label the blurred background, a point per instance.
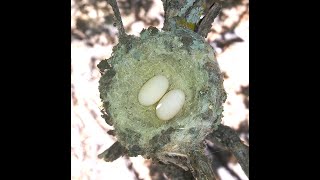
(93, 36)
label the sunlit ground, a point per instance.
(89, 130)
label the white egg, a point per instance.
(152, 91)
(170, 104)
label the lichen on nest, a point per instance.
(189, 63)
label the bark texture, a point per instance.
(228, 138)
(205, 23)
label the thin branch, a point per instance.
(205, 25)
(118, 19)
(229, 138)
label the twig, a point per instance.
(205, 25)
(118, 19)
(227, 137)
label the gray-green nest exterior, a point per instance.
(189, 64)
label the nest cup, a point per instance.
(189, 64)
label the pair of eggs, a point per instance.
(154, 90)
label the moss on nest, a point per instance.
(189, 64)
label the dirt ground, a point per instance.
(93, 36)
